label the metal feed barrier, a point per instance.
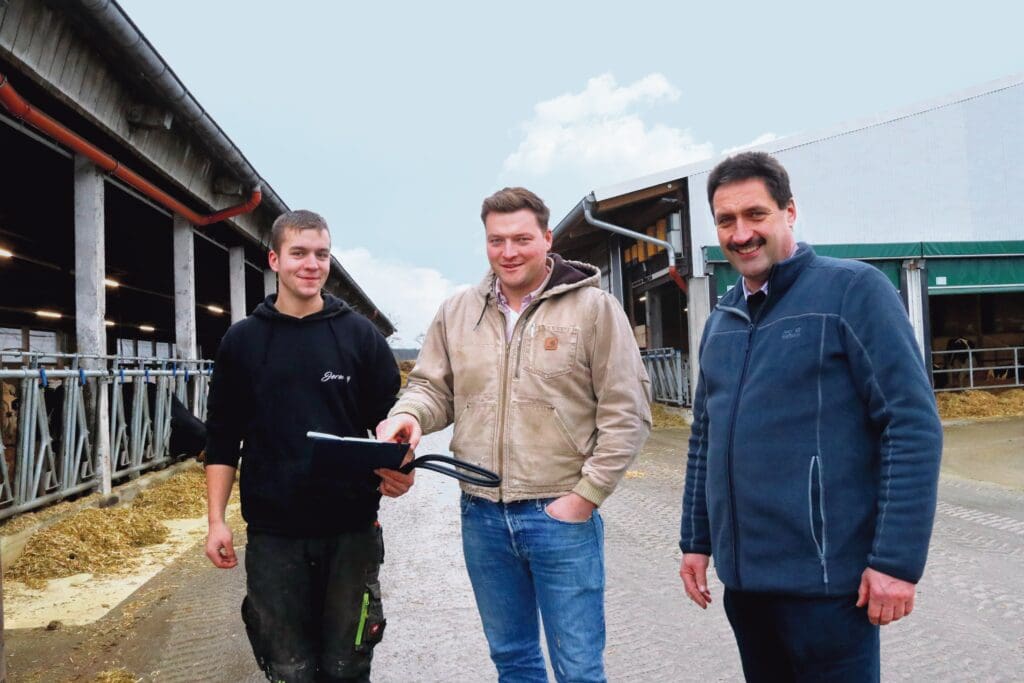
(992, 368)
(669, 371)
(56, 453)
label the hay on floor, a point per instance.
(105, 541)
(975, 404)
(91, 541)
(664, 417)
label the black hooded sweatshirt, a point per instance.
(277, 377)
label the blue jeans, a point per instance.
(521, 560)
(785, 638)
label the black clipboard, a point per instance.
(349, 456)
(335, 456)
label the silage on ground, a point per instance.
(978, 404)
(106, 541)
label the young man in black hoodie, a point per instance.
(302, 361)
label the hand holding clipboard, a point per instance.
(357, 457)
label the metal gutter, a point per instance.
(23, 111)
(670, 249)
(570, 219)
(125, 37)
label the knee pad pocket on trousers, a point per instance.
(274, 671)
(371, 616)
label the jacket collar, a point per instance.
(780, 279)
(564, 275)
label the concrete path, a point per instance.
(184, 625)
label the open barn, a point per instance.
(927, 194)
(133, 233)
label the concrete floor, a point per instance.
(968, 625)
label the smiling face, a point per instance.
(517, 247)
(302, 266)
(754, 232)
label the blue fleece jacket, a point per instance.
(816, 442)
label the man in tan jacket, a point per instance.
(539, 371)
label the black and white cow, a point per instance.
(957, 362)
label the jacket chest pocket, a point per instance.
(551, 349)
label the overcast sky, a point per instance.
(394, 120)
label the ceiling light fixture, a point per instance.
(147, 328)
(4, 253)
(113, 284)
(215, 309)
(49, 314)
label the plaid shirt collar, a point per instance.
(499, 296)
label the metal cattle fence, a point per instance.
(65, 427)
(669, 370)
(970, 368)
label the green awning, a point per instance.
(726, 276)
(1006, 248)
(952, 267)
(903, 250)
(860, 252)
(980, 275)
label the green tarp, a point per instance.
(951, 267)
(975, 275)
(726, 277)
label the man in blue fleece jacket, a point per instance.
(814, 455)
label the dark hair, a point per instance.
(512, 199)
(747, 165)
(300, 219)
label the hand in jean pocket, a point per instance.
(572, 508)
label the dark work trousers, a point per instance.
(312, 609)
(787, 638)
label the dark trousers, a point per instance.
(785, 638)
(312, 608)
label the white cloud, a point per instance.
(408, 295)
(600, 133)
(759, 140)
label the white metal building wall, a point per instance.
(952, 172)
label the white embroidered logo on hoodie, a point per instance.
(328, 376)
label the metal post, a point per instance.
(655, 328)
(698, 310)
(236, 282)
(615, 279)
(184, 289)
(269, 282)
(91, 302)
(914, 297)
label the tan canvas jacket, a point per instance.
(564, 406)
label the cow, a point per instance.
(957, 362)
(188, 433)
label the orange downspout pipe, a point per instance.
(23, 111)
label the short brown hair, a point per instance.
(512, 199)
(300, 219)
(747, 165)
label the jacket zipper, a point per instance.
(519, 349)
(504, 396)
(729, 454)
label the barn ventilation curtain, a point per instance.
(952, 267)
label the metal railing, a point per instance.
(669, 370)
(56, 452)
(989, 368)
